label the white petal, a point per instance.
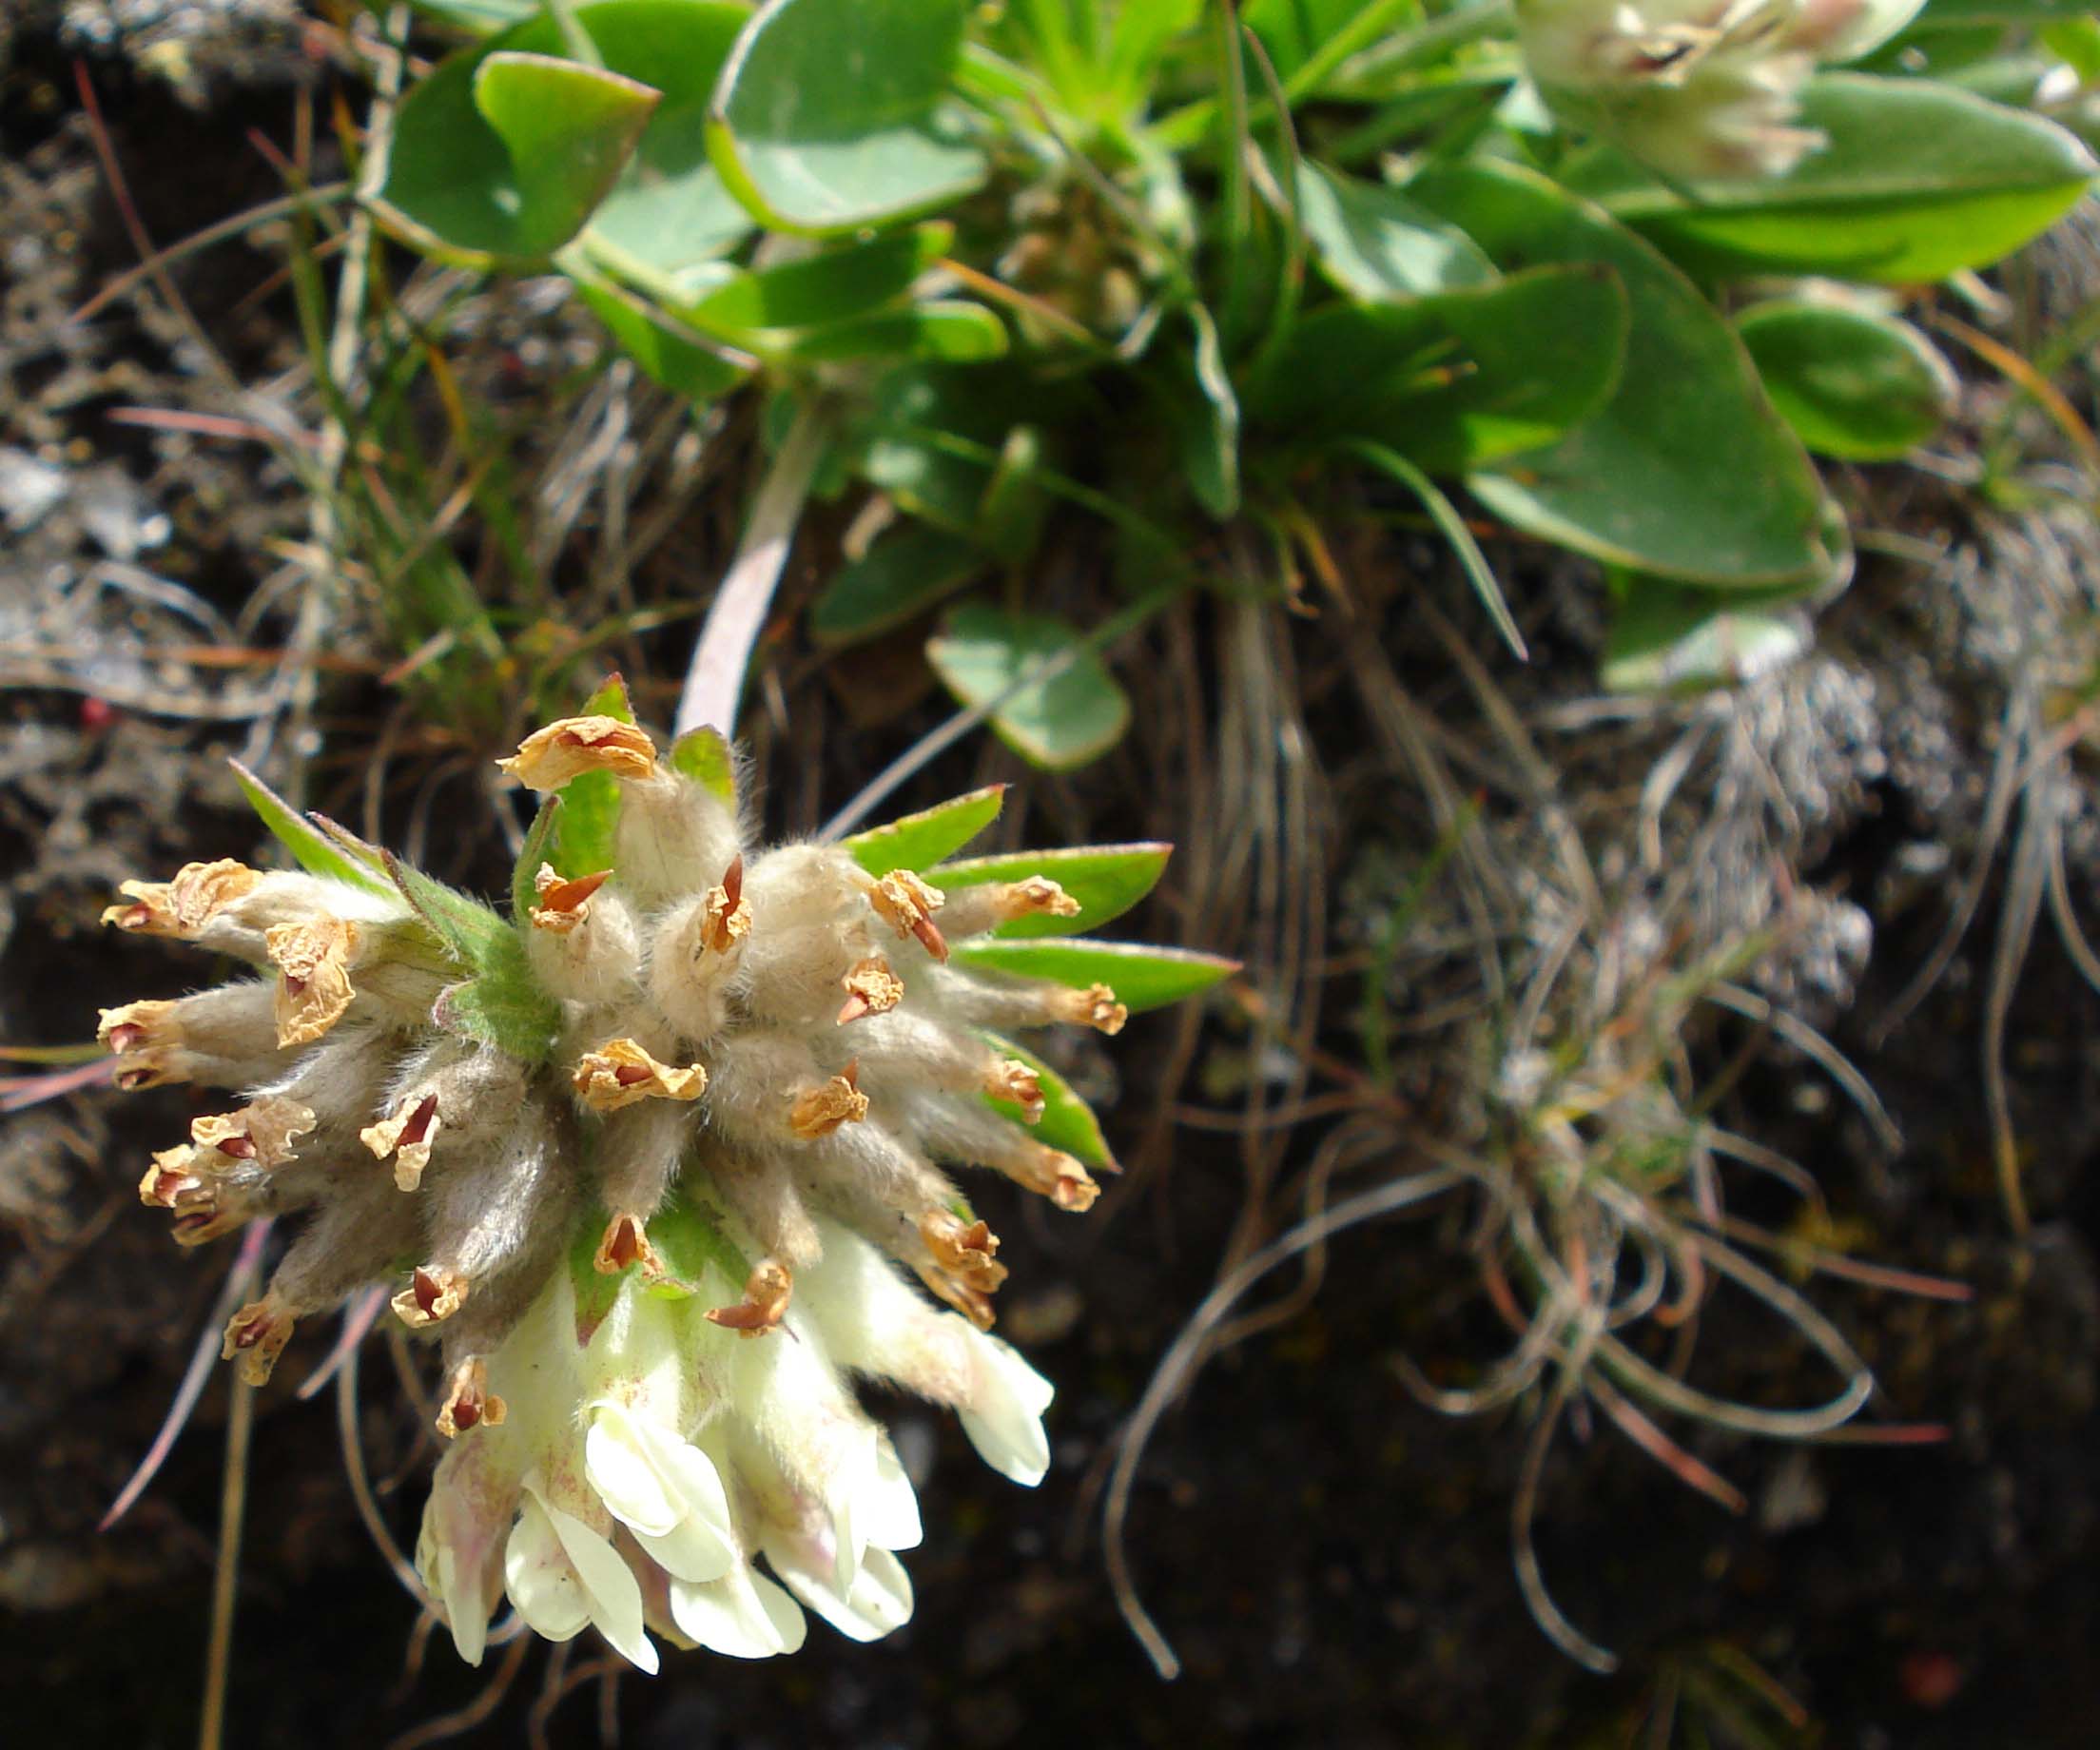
(889, 1511)
(613, 1593)
(538, 1575)
(452, 1561)
(743, 1615)
(879, 1602)
(691, 1550)
(691, 1474)
(619, 1469)
(1003, 1415)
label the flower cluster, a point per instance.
(1698, 89)
(644, 1158)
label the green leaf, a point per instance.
(1142, 976)
(1666, 638)
(454, 187)
(826, 119)
(670, 217)
(682, 363)
(919, 841)
(569, 130)
(1374, 243)
(1853, 386)
(469, 931)
(830, 287)
(591, 800)
(1918, 181)
(1686, 469)
(942, 330)
(1293, 31)
(1068, 1122)
(1208, 415)
(704, 756)
(899, 454)
(990, 653)
(311, 848)
(1455, 380)
(900, 576)
(531, 855)
(1106, 880)
(504, 154)
(1452, 527)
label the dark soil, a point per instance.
(1330, 1560)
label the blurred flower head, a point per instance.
(1698, 89)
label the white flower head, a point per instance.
(1698, 89)
(653, 1161)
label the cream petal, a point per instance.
(692, 1472)
(1003, 1413)
(743, 1615)
(879, 1602)
(890, 1504)
(690, 1551)
(538, 1575)
(620, 1469)
(613, 1595)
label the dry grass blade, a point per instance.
(1179, 1366)
(239, 1286)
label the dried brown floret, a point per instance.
(433, 1294)
(621, 1073)
(468, 1403)
(257, 1335)
(409, 1135)
(1010, 1079)
(819, 1111)
(767, 1292)
(313, 987)
(563, 905)
(261, 1132)
(871, 988)
(907, 904)
(548, 758)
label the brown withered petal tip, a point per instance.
(548, 758)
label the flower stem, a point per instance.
(723, 657)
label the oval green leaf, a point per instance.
(1456, 380)
(1853, 386)
(1667, 638)
(1106, 880)
(1686, 469)
(504, 154)
(664, 218)
(1918, 181)
(824, 288)
(1142, 976)
(1374, 243)
(826, 121)
(1052, 698)
(903, 574)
